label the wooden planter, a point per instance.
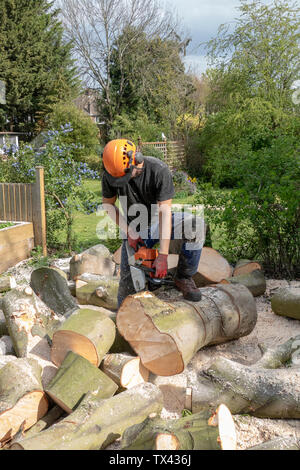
(16, 243)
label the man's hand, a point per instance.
(134, 240)
(161, 266)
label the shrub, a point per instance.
(151, 151)
(184, 185)
(261, 216)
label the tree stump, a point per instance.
(166, 336)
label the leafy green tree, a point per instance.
(84, 132)
(35, 63)
(259, 56)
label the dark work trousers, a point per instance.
(187, 240)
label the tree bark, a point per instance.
(76, 377)
(202, 431)
(262, 390)
(166, 336)
(50, 418)
(89, 333)
(95, 260)
(27, 316)
(3, 326)
(99, 293)
(96, 423)
(286, 302)
(213, 267)
(255, 281)
(125, 370)
(22, 399)
(52, 288)
(7, 283)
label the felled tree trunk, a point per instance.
(96, 423)
(52, 288)
(282, 443)
(166, 336)
(213, 267)
(89, 333)
(202, 431)
(22, 399)
(95, 260)
(27, 316)
(50, 418)
(255, 281)
(286, 302)
(258, 390)
(246, 266)
(125, 370)
(102, 293)
(76, 377)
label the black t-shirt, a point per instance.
(153, 185)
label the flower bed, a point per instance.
(16, 243)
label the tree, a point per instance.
(35, 63)
(258, 57)
(107, 35)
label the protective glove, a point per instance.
(134, 240)
(161, 266)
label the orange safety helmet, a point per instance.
(116, 159)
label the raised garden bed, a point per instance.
(16, 243)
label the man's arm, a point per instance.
(165, 225)
(109, 205)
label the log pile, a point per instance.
(76, 375)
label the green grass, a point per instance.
(6, 224)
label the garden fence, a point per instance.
(173, 151)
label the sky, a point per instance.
(201, 19)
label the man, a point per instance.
(143, 184)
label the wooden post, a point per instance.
(39, 210)
(140, 144)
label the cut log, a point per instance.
(95, 260)
(88, 333)
(6, 360)
(52, 288)
(125, 370)
(286, 302)
(166, 336)
(96, 423)
(6, 346)
(3, 326)
(117, 256)
(7, 283)
(26, 317)
(255, 281)
(202, 431)
(102, 293)
(212, 268)
(22, 400)
(246, 266)
(258, 390)
(76, 377)
(281, 443)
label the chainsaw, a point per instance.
(141, 263)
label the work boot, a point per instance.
(188, 288)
